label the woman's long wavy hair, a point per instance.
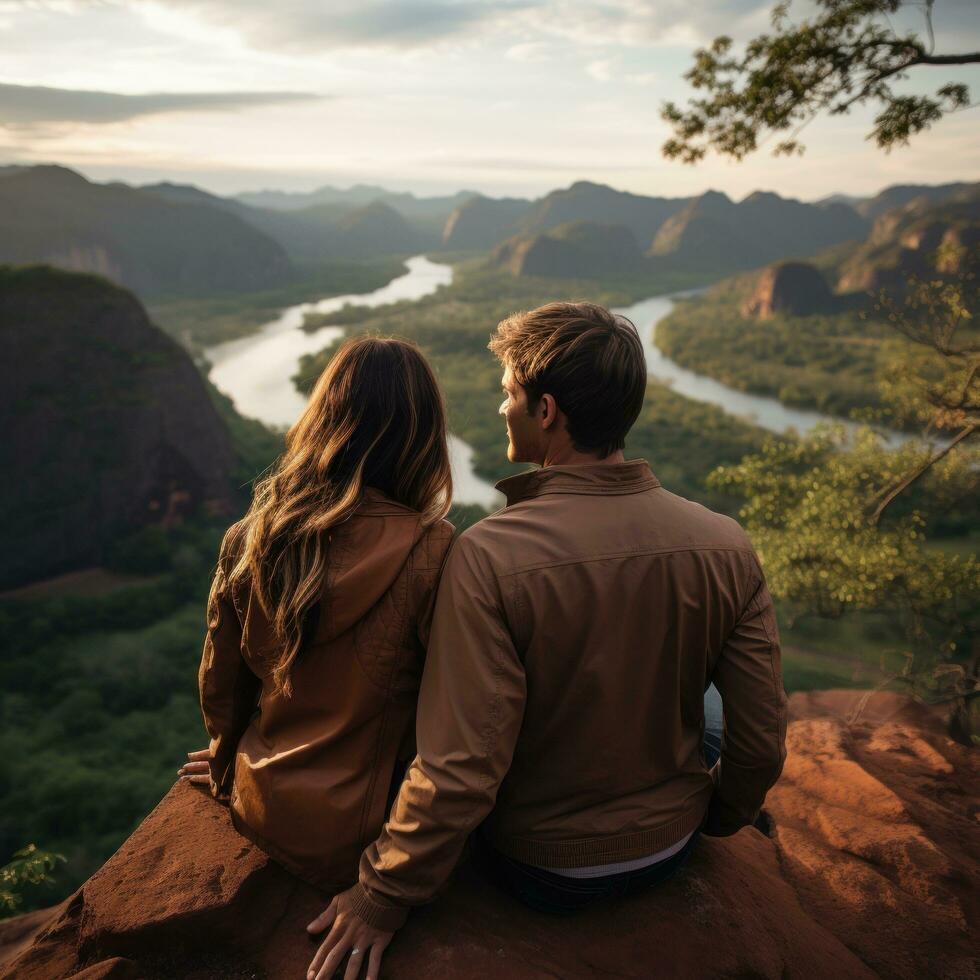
(375, 419)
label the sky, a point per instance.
(506, 97)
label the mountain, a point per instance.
(793, 288)
(331, 229)
(577, 249)
(334, 231)
(428, 215)
(189, 194)
(353, 197)
(585, 201)
(849, 199)
(709, 233)
(374, 230)
(901, 194)
(483, 222)
(137, 239)
(903, 242)
(872, 820)
(762, 228)
(108, 424)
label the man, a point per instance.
(574, 636)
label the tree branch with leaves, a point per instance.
(29, 867)
(847, 55)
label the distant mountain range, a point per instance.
(903, 241)
(173, 239)
(709, 233)
(135, 238)
(928, 235)
(758, 229)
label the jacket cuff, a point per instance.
(387, 918)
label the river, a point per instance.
(769, 413)
(256, 371)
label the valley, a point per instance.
(104, 633)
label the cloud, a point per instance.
(600, 70)
(640, 22)
(32, 105)
(320, 25)
(312, 24)
(315, 24)
(530, 52)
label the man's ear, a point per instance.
(549, 411)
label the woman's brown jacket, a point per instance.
(308, 776)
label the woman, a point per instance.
(318, 615)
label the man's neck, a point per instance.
(570, 456)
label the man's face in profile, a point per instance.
(523, 434)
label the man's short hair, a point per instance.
(588, 359)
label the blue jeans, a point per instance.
(561, 895)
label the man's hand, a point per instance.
(197, 769)
(348, 933)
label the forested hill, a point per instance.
(137, 239)
(327, 230)
(108, 425)
(904, 240)
(807, 333)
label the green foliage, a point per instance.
(93, 725)
(847, 54)
(809, 507)
(29, 867)
(933, 379)
(143, 552)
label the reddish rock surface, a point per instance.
(871, 872)
(876, 823)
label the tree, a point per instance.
(846, 523)
(848, 54)
(28, 867)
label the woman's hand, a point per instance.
(197, 769)
(350, 933)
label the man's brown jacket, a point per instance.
(574, 635)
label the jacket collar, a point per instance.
(377, 503)
(589, 478)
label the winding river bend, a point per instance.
(769, 413)
(256, 371)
